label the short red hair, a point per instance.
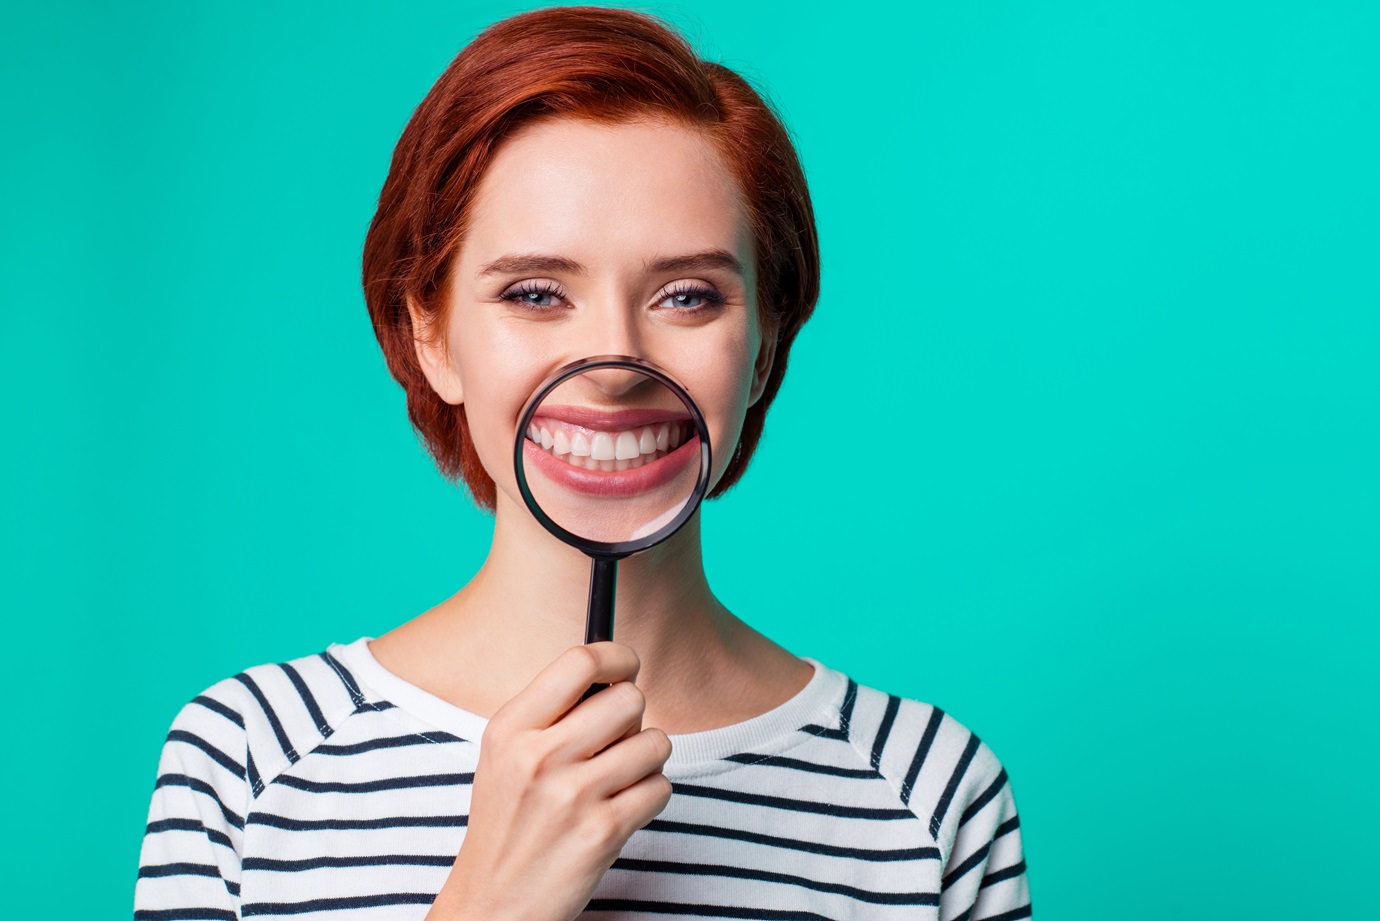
(593, 63)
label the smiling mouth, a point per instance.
(608, 449)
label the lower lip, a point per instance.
(612, 482)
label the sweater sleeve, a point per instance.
(984, 875)
(189, 864)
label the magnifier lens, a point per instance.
(611, 455)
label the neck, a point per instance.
(528, 603)
(535, 589)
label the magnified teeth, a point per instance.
(609, 450)
(626, 448)
(601, 447)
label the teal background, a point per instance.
(1081, 445)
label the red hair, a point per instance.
(610, 65)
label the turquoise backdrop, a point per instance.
(1081, 445)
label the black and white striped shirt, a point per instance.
(329, 788)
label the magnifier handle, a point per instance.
(603, 577)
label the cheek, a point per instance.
(721, 383)
(497, 377)
(491, 432)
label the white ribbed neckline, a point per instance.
(817, 702)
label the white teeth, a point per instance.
(626, 448)
(601, 447)
(609, 451)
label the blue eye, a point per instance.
(708, 297)
(533, 295)
(686, 299)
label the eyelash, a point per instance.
(711, 297)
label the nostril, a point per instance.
(615, 382)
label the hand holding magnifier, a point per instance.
(612, 457)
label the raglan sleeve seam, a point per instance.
(983, 872)
(190, 858)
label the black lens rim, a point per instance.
(612, 549)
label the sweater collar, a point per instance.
(816, 703)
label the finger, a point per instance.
(641, 802)
(558, 686)
(627, 762)
(595, 724)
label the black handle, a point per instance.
(603, 578)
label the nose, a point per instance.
(611, 326)
(615, 383)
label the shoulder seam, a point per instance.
(890, 782)
(362, 701)
(283, 763)
(328, 724)
(358, 703)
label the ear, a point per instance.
(761, 369)
(434, 358)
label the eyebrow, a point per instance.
(537, 262)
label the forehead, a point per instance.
(606, 195)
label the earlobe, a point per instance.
(434, 359)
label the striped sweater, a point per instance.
(329, 788)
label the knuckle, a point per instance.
(621, 657)
(523, 769)
(542, 759)
(531, 761)
(658, 793)
(500, 744)
(564, 798)
(585, 662)
(496, 732)
(631, 695)
(607, 828)
(660, 742)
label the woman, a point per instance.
(579, 183)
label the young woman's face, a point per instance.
(595, 239)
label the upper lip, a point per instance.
(591, 418)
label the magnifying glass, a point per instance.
(612, 457)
